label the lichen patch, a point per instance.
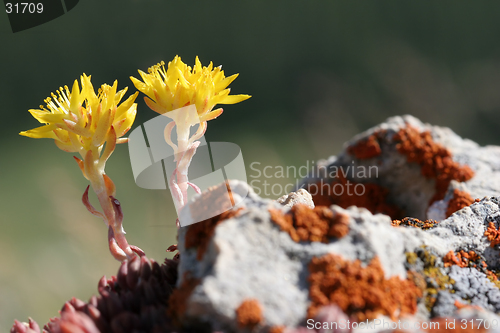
(311, 224)
(461, 259)
(361, 292)
(413, 222)
(199, 234)
(340, 192)
(249, 314)
(460, 199)
(178, 301)
(434, 159)
(367, 148)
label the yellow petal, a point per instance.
(75, 98)
(182, 79)
(126, 104)
(88, 90)
(61, 135)
(226, 82)
(102, 128)
(142, 87)
(233, 99)
(197, 65)
(125, 126)
(47, 117)
(41, 132)
(119, 95)
(67, 147)
(110, 146)
(211, 115)
(108, 95)
(155, 106)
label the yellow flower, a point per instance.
(179, 86)
(85, 122)
(80, 120)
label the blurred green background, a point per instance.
(319, 72)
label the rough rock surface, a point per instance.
(407, 187)
(249, 256)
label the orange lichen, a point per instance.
(435, 160)
(341, 192)
(492, 275)
(361, 292)
(461, 199)
(492, 234)
(461, 259)
(470, 259)
(178, 301)
(367, 148)
(311, 224)
(215, 199)
(461, 305)
(199, 234)
(413, 222)
(249, 314)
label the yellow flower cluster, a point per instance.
(180, 85)
(80, 120)
(92, 124)
(85, 122)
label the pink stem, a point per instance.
(176, 190)
(115, 250)
(195, 188)
(183, 166)
(119, 234)
(90, 208)
(199, 132)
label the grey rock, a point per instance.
(249, 257)
(408, 188)
(464, 230)
(445, 304)
(471, 284)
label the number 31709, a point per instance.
(24, 8)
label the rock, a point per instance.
(301, 196)
(249, 257)
(276, 256)
(407, 188)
